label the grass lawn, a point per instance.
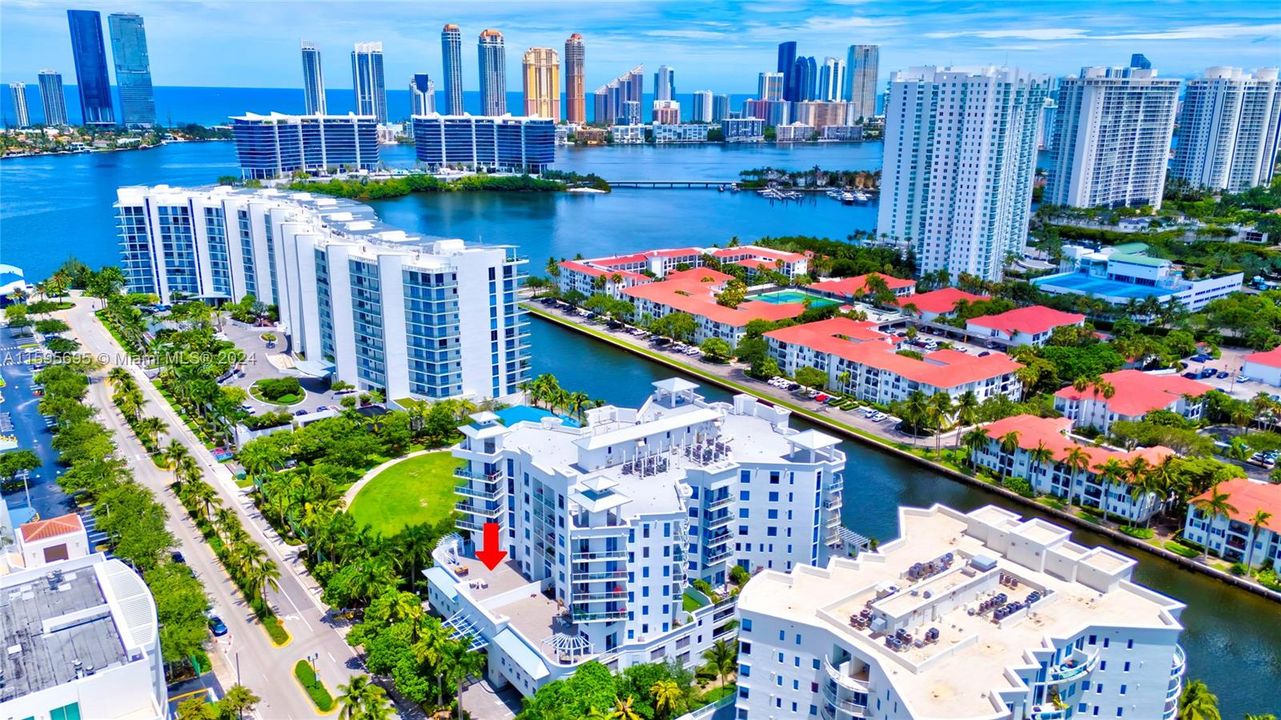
(417, 490)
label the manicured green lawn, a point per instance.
(418, 490)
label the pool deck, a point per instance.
(1082, 284)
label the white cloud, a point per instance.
(1224, 31)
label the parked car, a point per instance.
(1223, 374)
(178, 558)
(217, 626)
(1191, 375)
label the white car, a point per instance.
(879, 416)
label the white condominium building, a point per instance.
(1112, 138)
(607, 524)
(966, 616)
(960, 155)
(82, 642)
(1228, 129)
(1249, 532)
(375, 306)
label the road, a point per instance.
(246, 651)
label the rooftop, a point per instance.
(694, 291)
(1248, 497)
(1031, 320)
(1034, 432)
(853, 287)
(68, 524)
(959, 673)
(941, 301)
(1271, 358)
(1139, 393)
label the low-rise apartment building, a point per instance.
(1031, 325)
(1236, 537)
(694, 292)
(1041, 451)
(930, 306)
(861, 361)
(855, 288)
(605, 525)
(966, 616)
(1264, 366)
(623, 271)
(668, 133)
(1130, 395)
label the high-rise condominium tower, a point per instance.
(665, 83)
(313, 80)
(90, 55)
(701, 107)
(787, 65)
(52, 98)
(860, 80)
(422, 93)
(493, 73)
(367, 80)
(575, 93)
(451, 53)
(957, 185)
(618, 102)
(1112, 138)
(805, 77)
(720, 108)
(542, 83)
(22, 115)
(133, 69)
(831, 80)
(769, 86)
(1140, 61)
(1228, 129)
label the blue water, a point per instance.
(1082, 283)
(523, 413)
(793, 296)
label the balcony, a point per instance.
(598, 555)
(715, 556)
(719, 521)
(607, 616)
(853, 682)
(493, 513)
(465, 524)
(611, 596)
(466, 490)
(1047, 712)
(598, 576)
(1180, 662)
(719, 502)
(490, 478)
(1076, 666)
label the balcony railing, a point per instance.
(598, 576)
(612, 596)
(467, 490)
(466, 507)
(492, 477)
(716, 556)
(720, 521)
(465, 524)
(596, 555)
(720, 502)
(608, 616)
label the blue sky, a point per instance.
(715, 44)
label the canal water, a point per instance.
(52, 207)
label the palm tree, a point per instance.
(939, 412)
(174, 452)
(967, 412)
(1037, 457)
(1198, 703)
(914, 411)
(623, 709)
(463, 666)
(148, 430)
(1010, 445)
(1260, 517)
(722, 657)
(186, 471)
(1138, 473)
(360, 699)
(1078, 461)
(1216, 505)
(432, 649)
(668, 697)
(973, 441)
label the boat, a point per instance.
(721, 188)
(861, 197)
(847, 198)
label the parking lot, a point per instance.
(269, 362)
(1227, 374)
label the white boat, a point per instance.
(847, 198)
(861, 197)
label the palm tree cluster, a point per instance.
(361, 699)
(129, 400)
(648, 691)
(545, 391)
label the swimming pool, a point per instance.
(519, 413)
(1080, 283)
(778, 297)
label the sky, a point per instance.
(719, 45)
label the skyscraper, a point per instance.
(720, 108)
(831, 80)
(1112, 136)
(493, 73)
(22, 115)
(957, 186)
(769, 86)
(542, 83)
(451, 54)
(367, 80)
(1141, 61)
(313, 80)
(619, 100)
(860, 80)
(665, 83)
(133, 69)
(786, 65)
(701, 107)
(1228, 129)
(422, 93)
(805, 78)
(575, 100)
(90, 55)
(52, 98)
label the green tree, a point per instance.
(237, 701)
(721, 658)
(811, 377)
(716, 349)
(180, 608)
(1198, 703)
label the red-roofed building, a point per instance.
(789, 263)
(1024, 326)
(1264, 366)
(861, 361)
(694, 292)
(1074, 471)
(930, 305)
(46, 541)
(1134, 394)
(580, 277)
(624, 271)
(1233, 537)
(855, 288)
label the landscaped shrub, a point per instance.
(268, 420)
(320, 696)
(279, 390)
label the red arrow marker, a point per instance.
(489, 552)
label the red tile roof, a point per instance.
(1031, 320)
(855, 286)
(756, 264)
(1271, 358)
(53, 527)
(1139, 393)
(694, 291)
(676, 252)
(757, 251)
(856, 342)
(941, 301)
(1035, 431)
(1248, 497)
(620, 260)
(576, 266)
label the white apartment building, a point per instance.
(606, 525)
(611, 275)
(1235, 537)
(678, 132)
(1130, 395)
(1228, 129)
(1112, 138)
(372, 304)
(1263, 366)
(633, 134)
(1078, 472)
(1125, 275)
(83, 642)
(966, 616)
(1032, 325)
(960, 157)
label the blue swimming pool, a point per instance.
(521, 413)
(778, 297)
(1083, 284)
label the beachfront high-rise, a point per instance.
(313, 80)
(1112, 134)
(956, 186)
(422, 94)
(720, 107)
(90, 55)
(493, 72)
(133, 70)
(769, 86)
(701, 106)
(451, 55)
(21, 113)
(367, 303)
(665, 83)
(1228, 129)
(275, 145)
(967, 616)
(542, 83)
(862, 63)
(831, 80)
(787, 66)
(619, 100)
(493, 144)
(367, 80)
(575, 84)
(805, 78)
(614, 519)
(52, 98)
